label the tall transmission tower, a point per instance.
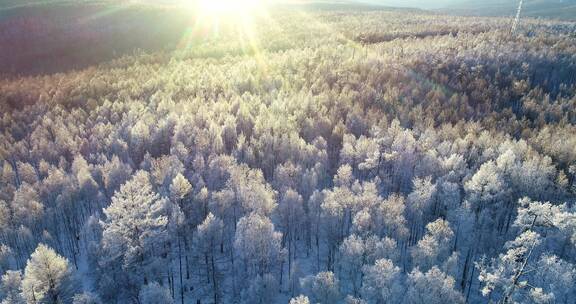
(517, 19)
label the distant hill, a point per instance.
(561, 9)
(4, 4)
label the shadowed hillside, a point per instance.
(40, 39)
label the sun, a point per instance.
(236, 20)
(238, 14)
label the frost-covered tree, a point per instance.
(208, 241)
(390, 218)
(503, 278)
(322, 288)
(362, 223)
(290, 214)
(435, 247)
(243, 191)
(420, 202)
(5, 217)
(486, 187)
(180, 187)
(48, 278)
(262, 290)
(26, 206)
(86, 298)
(257, 244)
(138, 227)
(336, 210)
(433, 286)
(155, 293)
(353, 300)
(557, 222)
(7, 259)
(87, 186)
(449, 198)
(251, 191)
(552, 280)
(300, 300)
(11, 288)
(163, 171)
(352, 255)
(376, 248)
(382, 282)
(139, 138)
(114, 174)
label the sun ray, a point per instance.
(234, 21)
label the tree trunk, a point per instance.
(180, 271)
(214, 282)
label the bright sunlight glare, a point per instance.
(239, 18)
(227, 8)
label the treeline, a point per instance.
(313, 169)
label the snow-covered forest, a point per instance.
(386, 157)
